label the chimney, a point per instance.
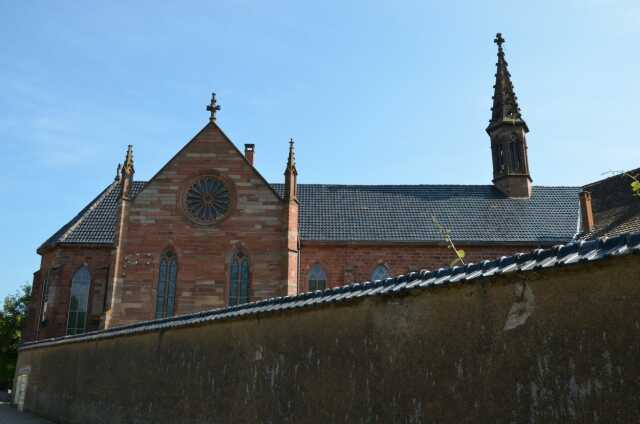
(249, 150)
(587, 222)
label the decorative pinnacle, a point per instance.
(291, 161)
(499, 40)
(213, 107)
(118, 172)
(127, 166)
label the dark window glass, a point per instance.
(380, 273)
(78, 301)
(45, 299)
(166, 291)
(239, 279)
(317, 278)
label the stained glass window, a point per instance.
(207, 200)
(166, 290)
(380, 273)
(78, 301)
(317, 278)
(239, 279)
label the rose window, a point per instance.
(207, 200)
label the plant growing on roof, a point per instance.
(446, 235)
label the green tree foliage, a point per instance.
(635, 187)
(12, 316)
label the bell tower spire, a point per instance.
(507, 130)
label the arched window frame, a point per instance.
(166, 286)
(44, 304)
(317, 278)
(79, 292)
(239, 278)
(376, 274)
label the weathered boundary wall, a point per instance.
(559, 345)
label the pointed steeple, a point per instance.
(505, 102)
(507, 131)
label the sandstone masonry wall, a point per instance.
(349, 263)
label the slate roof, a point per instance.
(478, 214)
(95, 224)
(404, 213)
(615, 209)
(572, 254)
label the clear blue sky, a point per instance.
(373, 91)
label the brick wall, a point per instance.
(59, 265)
(256, 224)
(348, 263)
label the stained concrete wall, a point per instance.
(561, 345)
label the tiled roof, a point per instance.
(95, 224)
(572, 254)
(615, 209)
(405, 213)
(387, 213)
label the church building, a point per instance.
(208, 231)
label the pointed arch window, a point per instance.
(239, 279)
(317, 278)
(79, 300)
(45, 298)
(380, 272)
(166, 291)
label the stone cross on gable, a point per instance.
(213, 107)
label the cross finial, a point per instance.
(499, 40)
(213, 107)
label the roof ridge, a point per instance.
(618, 174)
(419, 185)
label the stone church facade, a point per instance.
(208, 231)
